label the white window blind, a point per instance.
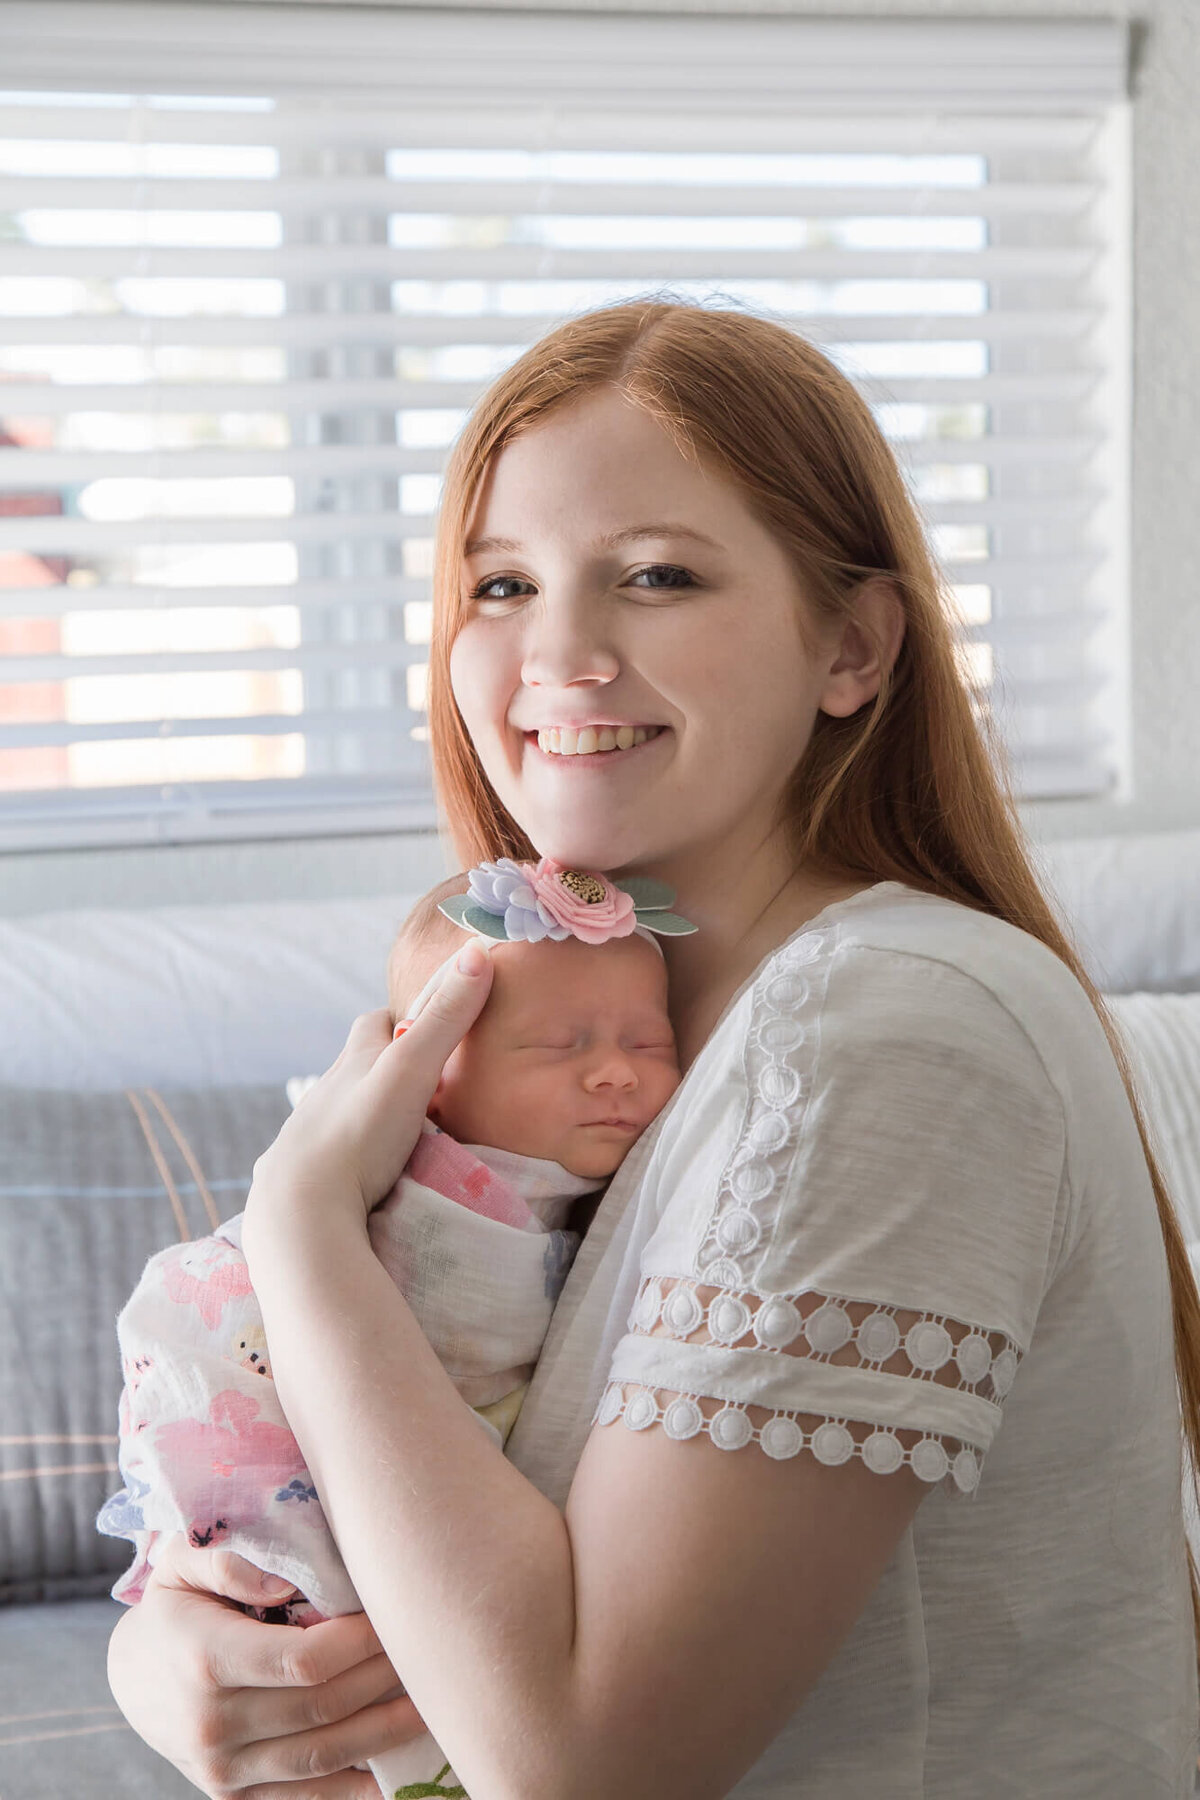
(258, 262)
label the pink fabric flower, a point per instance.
(594, 917)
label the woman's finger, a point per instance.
(243, 1652)
(442, 1022)
(213, 1570)
(370, 1031)
(277, 1712)
(325, 1750)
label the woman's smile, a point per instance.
(592, 746)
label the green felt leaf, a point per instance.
(647, 894)
(421, 1790)
(455, 906)
(667, 924)
(486, 923)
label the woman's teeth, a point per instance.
(564, 740)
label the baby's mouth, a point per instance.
(593, 740)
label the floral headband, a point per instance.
(526, 902)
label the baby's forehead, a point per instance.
(548, 978)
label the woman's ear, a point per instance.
(869, 643)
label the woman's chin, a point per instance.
(592, 848)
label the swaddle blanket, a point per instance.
(475, 1240)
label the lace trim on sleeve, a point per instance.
(865, 1334)
(778, 1060)
(783, 1435)
(923, 1347)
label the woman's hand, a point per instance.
(246, 1709)
(346, 1144)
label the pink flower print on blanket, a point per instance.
(206, 1275)
(227, 1469)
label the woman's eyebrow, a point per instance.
(609, 541)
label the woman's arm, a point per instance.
(649, 1642)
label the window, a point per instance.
(256, 264)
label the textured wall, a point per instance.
(1166, 505)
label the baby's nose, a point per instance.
(611, 1068)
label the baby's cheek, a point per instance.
(668, 1081)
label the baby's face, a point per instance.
(571, 1058)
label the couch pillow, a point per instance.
(1162, 1032)
(91, 1186)
(188, 996)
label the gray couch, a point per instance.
(93, 1184)
(142, 1063)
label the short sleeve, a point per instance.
(855, 1238)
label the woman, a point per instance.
(901, 1199)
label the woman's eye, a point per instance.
(482, 593)
(665, 569)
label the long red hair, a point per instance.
(910, 788)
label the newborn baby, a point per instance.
(571, 1058)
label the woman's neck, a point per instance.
(743, 908)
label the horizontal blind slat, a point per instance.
(536, 262)
(1056, 572)
(30, 469)
(29, 399)
(1039, 628)
(454, 125)
(315, 596)
(360, 721)
(367, 655)
(145, 818)
(345, 329)
(54, 536)
(395, 195)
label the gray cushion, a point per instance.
(60, 1731)
(91, 1185)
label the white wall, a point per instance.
(1166, 508)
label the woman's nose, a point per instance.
(563, 649)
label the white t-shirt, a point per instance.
(898, 1208)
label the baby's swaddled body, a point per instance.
(476, 1241)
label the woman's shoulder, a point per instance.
(950, 961)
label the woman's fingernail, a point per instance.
(275, 1584)
(472, 960)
